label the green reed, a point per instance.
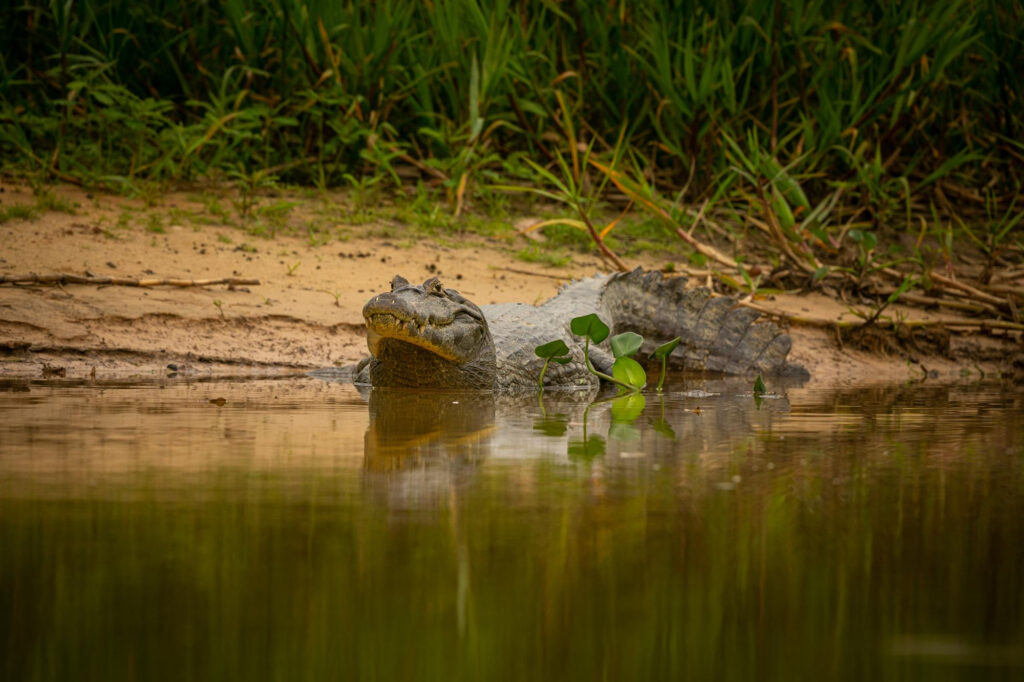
(881, 99)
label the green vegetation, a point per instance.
(592, 328)
(661, 353)
(17, 212)
(861, 143)
(878, 97)
(554, 350)
(627, 373)
(545, 256)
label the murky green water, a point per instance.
(297, 532)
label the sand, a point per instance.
(306, 310)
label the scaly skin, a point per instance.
(429, 336)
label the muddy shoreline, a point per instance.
(306, 311)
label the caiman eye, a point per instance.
(433, 286)
(469, 313)
(398, 282)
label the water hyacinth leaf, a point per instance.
(628, 407)
(629, 372)
(590, 326)
(552, 349)
(665, 349)
(626, 344)
(661, 353)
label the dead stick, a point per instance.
(563, 278)
(796, 319)
(815, 322)
(67, 278)
(984, 324)
(968, 289)
(953, 287)
(907, 297)
(1000, 289)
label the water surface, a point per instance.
(301, 530)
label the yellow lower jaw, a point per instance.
(398, 333)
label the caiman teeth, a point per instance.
(391, 319)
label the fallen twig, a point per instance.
(562, 278)
(67, 278)
(817, 322)
(959, 289)
(908, 297)
(1000, 289)
(967, 289)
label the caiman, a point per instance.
(426, 335)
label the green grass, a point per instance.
(868, 91)
(155, 223)
(794, 122)
(18, 212)
(544, 256)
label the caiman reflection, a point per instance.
(411, 428)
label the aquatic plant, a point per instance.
(553, 350)
(661, 353)
(626, 372)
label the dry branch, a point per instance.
(67, 278)
(818, 322)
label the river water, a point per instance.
(299, 530)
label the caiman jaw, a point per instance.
(385, 324)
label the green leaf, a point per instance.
(665, 349)
(552, 349)
(905, 286)
(870, 241)
(759, 388)
(866, 240)
(626, 344)
(628, 407)
(590, 326)
(784, 213)
(629, 372)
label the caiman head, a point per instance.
(426, 336)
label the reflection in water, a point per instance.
(301, 530)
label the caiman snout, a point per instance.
(429, 316)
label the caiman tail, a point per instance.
(718, 334)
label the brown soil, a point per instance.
(306, 311)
